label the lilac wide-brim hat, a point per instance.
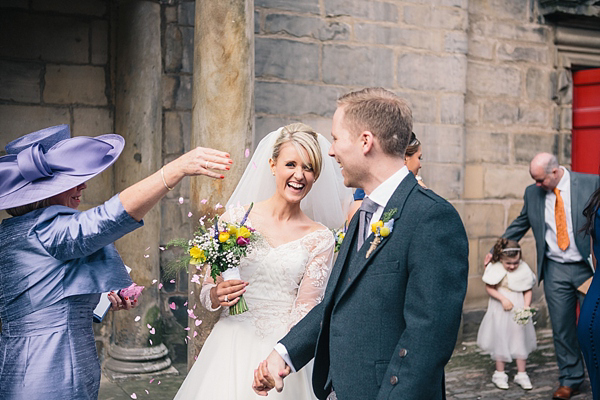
(45, 163)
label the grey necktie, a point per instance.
(366, 210)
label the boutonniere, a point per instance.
(382, 229)
(338, 235)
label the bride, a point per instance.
(285, 275)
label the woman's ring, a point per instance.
(226, 299)
(206, 165)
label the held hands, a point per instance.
(507, 304)
(227, 293)
(118, 303)
(270, 374)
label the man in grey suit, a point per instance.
(562, 252)
(390, 315)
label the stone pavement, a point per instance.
(468, 376)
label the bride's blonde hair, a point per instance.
(302, 137)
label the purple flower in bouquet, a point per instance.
(242, 241)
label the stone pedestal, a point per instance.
(222, 113)
(134, 348)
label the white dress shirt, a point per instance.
(381, 195)
(553, 252)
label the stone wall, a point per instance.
(55, 68)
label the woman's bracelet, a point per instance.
(162, 175)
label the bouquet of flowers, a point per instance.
(222, 246)
(523, 315)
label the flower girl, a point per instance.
(506, 331)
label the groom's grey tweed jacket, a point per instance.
(388, 324)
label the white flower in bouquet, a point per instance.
(523, 315)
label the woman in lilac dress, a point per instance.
(588, 328)
(55, 261)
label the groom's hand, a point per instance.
(270, 374)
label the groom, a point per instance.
(390, 315)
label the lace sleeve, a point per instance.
(207, 284)
(312, 287)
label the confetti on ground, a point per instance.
(181, 200)
(247, 153)
(198, 322)
(154, 281)
(190, 214)
(160, 285)
(173, 306)
(172, 281)
(218, 206)
(204, 201)
(133, 396)
(137, 318)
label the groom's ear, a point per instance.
(367, 140)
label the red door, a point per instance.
(585, 155)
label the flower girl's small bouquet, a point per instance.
(523, 315)
(221, 246)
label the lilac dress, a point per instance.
(54, 263)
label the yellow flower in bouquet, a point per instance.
(233, 230)
(244, 232)
(223, 237)
(198, 256)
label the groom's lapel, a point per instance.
(346, 251)
(397, 201)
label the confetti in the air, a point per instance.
(161, 248)
(133, 396)
(181, 200)
(149, 326)
(195, 333)
(172, 306)
(247, 153)
(218, 206)
(204, 201)
(198, 322)
(146, 255)
(172, 281)
(254, 165)
(151, 380)
(185, 304)
(158, 383)
(191, 314)
(190, 214)
(152, 331)
(186, 329)
(146, 390)
(137, 318)
(150, 340)
(196, 279)
(160, 285)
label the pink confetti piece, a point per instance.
(195, 279)
(172, 281)
(195, 358)
(198, 322)
(195, 306)
(195, 333)
(137, 318)
(150, 340)
(160, 285)
(185, 304)
(254, 165)
(151, 380)
(190, 214)
(149, 326)
(247, 153)
(191, 314)
(173, 306)
(154, 281)
(204, 201)
(152, 331)
(186, 329)
(218, 206)
(147, 248)
(133, 396)
(181, 200)
(158, 383)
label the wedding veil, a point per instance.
(327, 202)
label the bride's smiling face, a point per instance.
(293, 177)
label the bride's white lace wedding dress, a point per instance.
(285, 282)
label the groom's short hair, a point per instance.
(382, 113)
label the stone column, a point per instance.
(134, 349)
(222, 113)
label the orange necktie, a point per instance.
(562, 236)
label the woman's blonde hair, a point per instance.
(302, 137)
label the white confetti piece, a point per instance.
(137, 318)
(161, 248)
(133, 396)
(173, 306)
(192, 292)
(185, 339)
(154, 281)
(146, 255)
(172, 281)
(218, 206)
(188, 338)
(150, 340)
(190, 214)
(158, 383)
(247, 153)
(198, 322)
(204, 201)
(149, 326)
(146, 390)
(181, 200)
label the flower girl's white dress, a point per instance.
(499, 334)
(285, 282)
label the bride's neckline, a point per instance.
(293, 241)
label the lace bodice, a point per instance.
(285, 282)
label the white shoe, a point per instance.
(500, 379)
(522, 380)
